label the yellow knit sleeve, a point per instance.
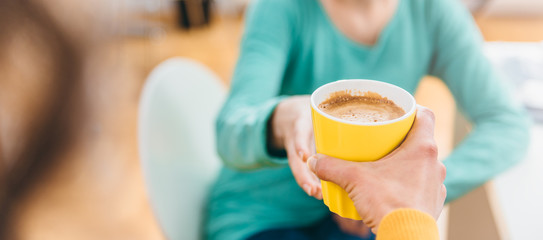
(408, 224)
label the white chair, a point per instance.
(176, 140)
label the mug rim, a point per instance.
(406, 115)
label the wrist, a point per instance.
(275, 135)
(384, 210)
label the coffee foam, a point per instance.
(360, 106)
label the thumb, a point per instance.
(340, 172)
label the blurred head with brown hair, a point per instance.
(40, 69)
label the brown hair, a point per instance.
(48, 131)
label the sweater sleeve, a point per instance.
(499, 135)
(408, 224)
(241, 126)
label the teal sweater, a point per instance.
(290, 47)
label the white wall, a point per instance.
(231, 7)
(521, 8)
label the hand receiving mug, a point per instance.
(292, 131)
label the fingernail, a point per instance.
(307, 189)
(301, 154)
(311, 162)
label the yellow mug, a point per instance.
(357, 141)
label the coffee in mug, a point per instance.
(366, 107)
